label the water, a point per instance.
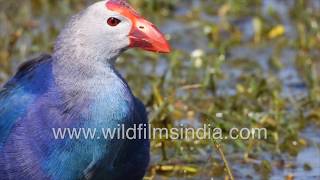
(188, 36)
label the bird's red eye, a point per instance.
(113, 21)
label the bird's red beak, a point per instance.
(146, 36)
(143, 33)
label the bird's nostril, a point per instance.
(141, 27)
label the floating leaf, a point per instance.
(277, 31)
(257, 26)
(176, 168)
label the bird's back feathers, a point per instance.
(19, 92)
(32, 103)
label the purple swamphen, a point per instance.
(77, 86)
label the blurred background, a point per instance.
(236, 63)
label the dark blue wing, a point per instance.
(19, 93)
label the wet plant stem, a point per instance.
(226, 164)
